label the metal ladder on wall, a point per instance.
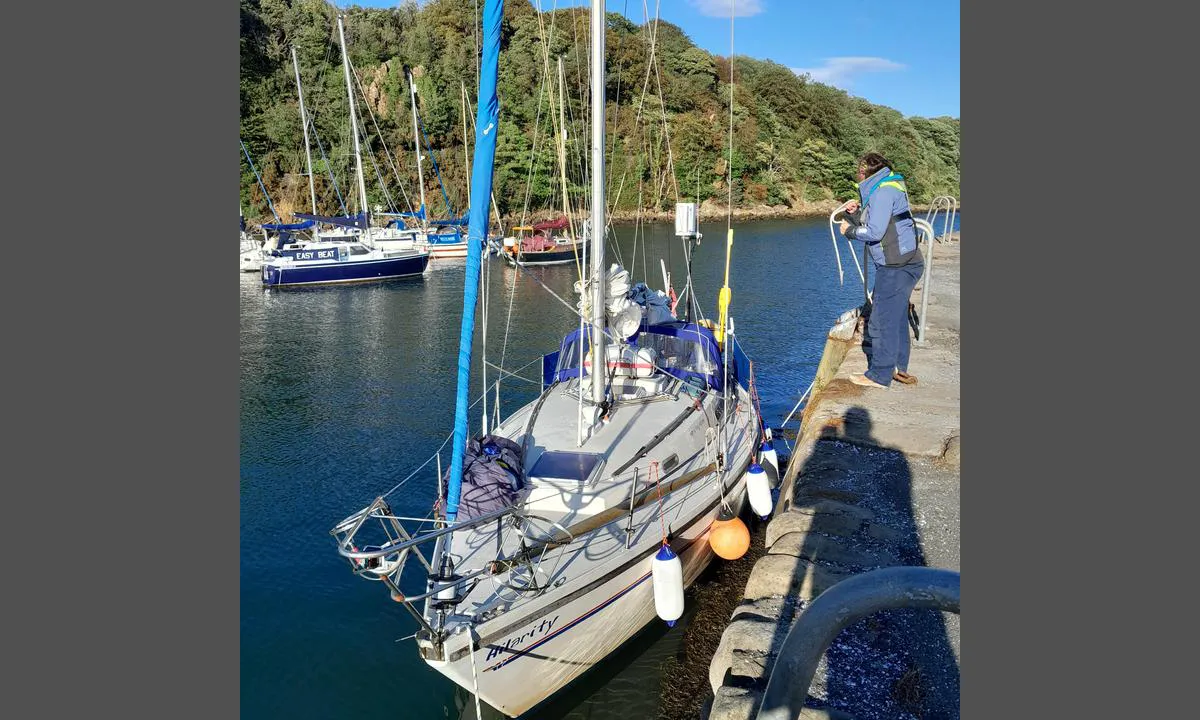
(950, 205)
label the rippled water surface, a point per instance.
(346, 390)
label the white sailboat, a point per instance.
(252, 252)
(249, 248)
(582, 516)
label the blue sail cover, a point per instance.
(289, 226)
(353, 221)
(487, 123)
(399, 221)
(418, 214)
(451, 221)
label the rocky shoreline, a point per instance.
(709, 212)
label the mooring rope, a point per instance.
(475, 676)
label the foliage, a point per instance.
(794, 141)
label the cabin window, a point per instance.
(558, 465)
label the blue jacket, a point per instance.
(887, 226)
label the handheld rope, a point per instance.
(474, 671)
(838, 255)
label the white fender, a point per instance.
(769, 459)
(758, 487)
(667, 576)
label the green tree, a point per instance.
(793, 138)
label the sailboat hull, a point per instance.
(250, 255)
(530, 660)
(557, 256)
(328, 273)
(447, 245)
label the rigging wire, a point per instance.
(387, 153)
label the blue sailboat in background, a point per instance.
(290, 261)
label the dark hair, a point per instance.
(873, 162)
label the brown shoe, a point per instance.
(900, 376)
(865, 381)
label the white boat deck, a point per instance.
(554, 502)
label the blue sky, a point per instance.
(904, 55)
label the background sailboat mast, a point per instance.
(466, 155)
(362, 185)
(597, 222)
(312, 186)
(562, 150)
(412, 91)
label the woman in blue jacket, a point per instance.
(886, 226)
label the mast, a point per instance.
(597, 239)
(312, 187)
(412, 91)
(562, 149)
(487, 123)
(362, 185)
(466, 157)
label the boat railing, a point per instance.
(399, 538)
(378, 545)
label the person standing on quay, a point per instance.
(886, 226)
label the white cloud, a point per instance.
(840, 71)
(720, 8)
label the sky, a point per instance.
(904, 55)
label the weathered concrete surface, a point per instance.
(873, 482)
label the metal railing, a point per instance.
(927, 278)
(950, 205)
(922, 226)
(838, 608)
(384, 557)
